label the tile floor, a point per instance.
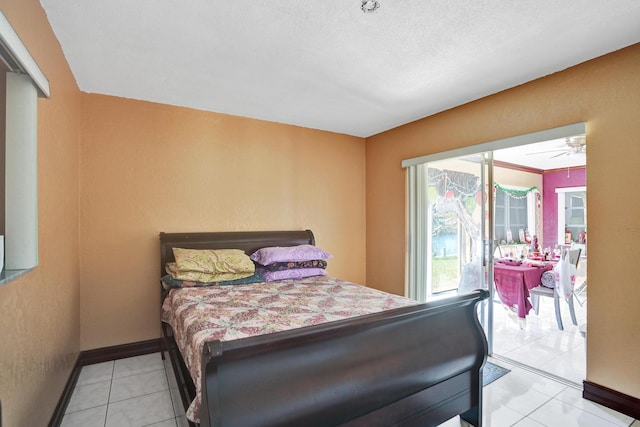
(137, 391)
(140, 391)
(539, 343)
(522, 398)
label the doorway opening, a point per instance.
(547, 340)
(516, 204)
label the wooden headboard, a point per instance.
(248, 241)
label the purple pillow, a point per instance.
(266, 256)
(270, 276)
(277, 266)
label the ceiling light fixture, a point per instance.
(369, 6)
(577, 144)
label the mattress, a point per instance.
(225, 313)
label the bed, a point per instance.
(409, 364)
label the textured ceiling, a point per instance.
(325, 64)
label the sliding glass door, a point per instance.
(451, 238)
(455, 218)
(451, 216)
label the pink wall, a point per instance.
(551, 181)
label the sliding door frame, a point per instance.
(414, 200)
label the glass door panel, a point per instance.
(458, 249)
(455, 224)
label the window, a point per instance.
(514, 211)
(23, 82)
(3, 112)
(572, 215)
(511, 216)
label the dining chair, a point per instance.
(580, 293)
(580, 290)
(574, 256)
(550, 289)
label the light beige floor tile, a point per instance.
(500, 417)
(513, 395)
(562, 340)
(535, 354)
(95, 373)
(166, 423)
(140, 411)
(137, 365)
(89, 396)
(571, 365)
(528, 422)
(520, 379)
(93, 417)
(558, 413)
(138, 385)
(574, 398)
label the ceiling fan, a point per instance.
(573, 145)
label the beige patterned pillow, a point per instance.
(199, 276)
(223, 264)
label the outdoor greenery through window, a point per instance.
(454, 196)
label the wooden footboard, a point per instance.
(417, 365)
(412, 366)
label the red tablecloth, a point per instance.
(513, 284)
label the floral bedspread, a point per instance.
(226, 313)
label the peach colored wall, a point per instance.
(39, 312)
(148, 168)
(604, 94)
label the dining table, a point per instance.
(514, 280)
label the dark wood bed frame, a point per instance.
(412, 366)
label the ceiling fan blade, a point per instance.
(546, 151)
(561, 154)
